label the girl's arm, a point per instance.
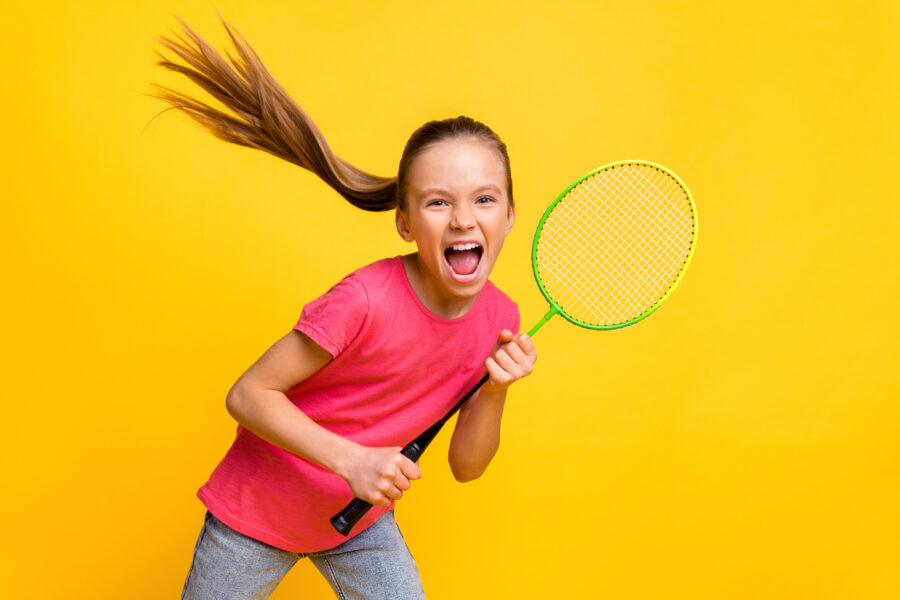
(477, 434)
(258, 402)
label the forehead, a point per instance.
(456, 165)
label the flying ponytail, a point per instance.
(265, 117)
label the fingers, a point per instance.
(384, 493)
(395, 478)
(379, 500)
(512, 359)
(517, 356)
(514, 352)
(506, 362)
(523, 340)
(505, 336)
(410, 469)
(498, 374)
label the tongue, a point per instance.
(464, 262)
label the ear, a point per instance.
(510, 218)
(403, 225)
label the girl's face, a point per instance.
(458, 213)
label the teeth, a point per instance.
(461, 247)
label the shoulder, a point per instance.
(380, 272)
(338, 317)
(499, 296)
(359, 284)
(382, 280)
(501, 306)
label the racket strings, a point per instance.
(615, 243)
(633, 258)
(623, 243)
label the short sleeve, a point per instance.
(334, 319)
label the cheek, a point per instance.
(499, 225)
(429, 236)
(433, 225)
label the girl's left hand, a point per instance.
(512, 358)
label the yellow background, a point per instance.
(743, 442)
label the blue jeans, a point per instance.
(374, 564)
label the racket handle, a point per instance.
(354, 511)
(350, 516)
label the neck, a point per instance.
(429, 291)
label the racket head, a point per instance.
(614, 244)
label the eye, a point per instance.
(484, 200)
(436, 203)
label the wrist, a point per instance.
(342, 457)
(488, 394)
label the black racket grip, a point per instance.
(354, 511)
(350, 516)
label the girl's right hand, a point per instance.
(379, 475)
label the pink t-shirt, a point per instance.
(397, 369)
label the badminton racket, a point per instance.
(606, 254)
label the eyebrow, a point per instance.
(433, 190)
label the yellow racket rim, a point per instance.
(614, 244)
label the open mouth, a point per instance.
(464, 260)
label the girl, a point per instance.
(369, 365)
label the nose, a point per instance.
(463, 217)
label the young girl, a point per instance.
(369, 365)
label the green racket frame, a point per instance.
(555, 308)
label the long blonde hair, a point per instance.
(265, 117)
